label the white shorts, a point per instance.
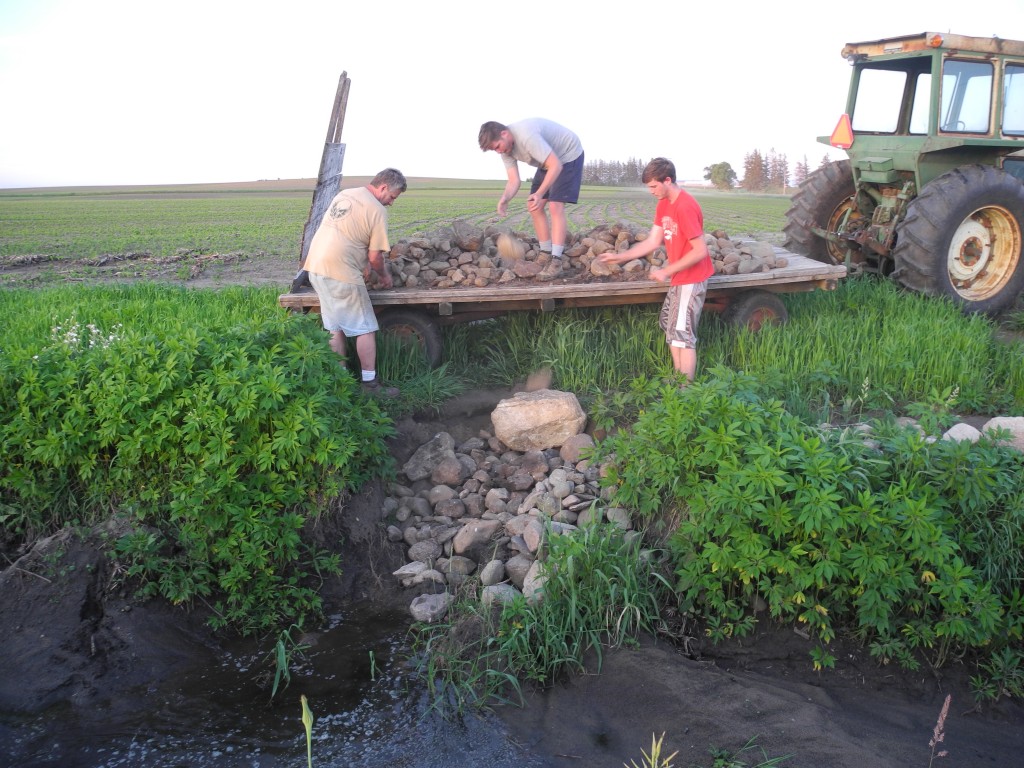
(343, 306)
(680, 314)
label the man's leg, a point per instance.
(559, 228)
(366, 349)
(337, 344)
(540, 223)
(685, 361)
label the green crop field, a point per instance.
(70, 232)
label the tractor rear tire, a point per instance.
(822, 202)
(962, 238)
(416, 327)
(754, 309)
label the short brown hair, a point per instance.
(659, 169)
(490, 132)
(392, 177)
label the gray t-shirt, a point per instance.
(535, 138)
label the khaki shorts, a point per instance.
(343, 306)
(681, 312)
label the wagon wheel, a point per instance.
(417, 328)
(754, 309)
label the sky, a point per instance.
(108, 92)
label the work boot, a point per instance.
(375, 389)
(551, 270)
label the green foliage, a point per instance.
(896, 542)
(721, 175)
(286, 650)
(213, 443)
(904, 348)
(628, 341)
(723, 758)
(654, 759)
(600, 589)
(862, 348)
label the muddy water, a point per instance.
(370, 710)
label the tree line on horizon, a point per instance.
(768, 172)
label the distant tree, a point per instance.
(614, 173)
(721, 175)
(755, 172)
(800, 172)
(826, 160)
(778, 171)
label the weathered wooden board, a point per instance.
(328, 180)
(801, 274)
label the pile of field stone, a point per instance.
(479, 509)
(466, 255)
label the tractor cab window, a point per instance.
(966, 96)
(893, 97)
(879, 97)
(1013, 100)
(921, 110)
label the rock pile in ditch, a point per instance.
(464, 255)
(481, 510)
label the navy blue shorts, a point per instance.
(566, 188)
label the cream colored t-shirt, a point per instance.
(354, 224)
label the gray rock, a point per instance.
(533, 583)
(516, 568)
(537, 420)
(498, 594)
(960, 432)
(1013, 424)
(430, 608)
(425, 551)
(428, 456)
(492, 573)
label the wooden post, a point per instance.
(328, 181)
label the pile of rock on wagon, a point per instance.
(466, 255)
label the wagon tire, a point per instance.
(417, 327)
(962, 239)
(822, 201)
(754, 309)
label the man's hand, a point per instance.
(385, 278)
(503, 207)
(661, 275)
(534, 202)
(610, 257)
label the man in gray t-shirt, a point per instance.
(557, 154)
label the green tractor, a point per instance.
(932, 194)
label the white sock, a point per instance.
(545, 245)
(369, 375)
(556, 250)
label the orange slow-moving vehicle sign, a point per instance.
(842, 136)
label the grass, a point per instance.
(864, 347)
(87, 224)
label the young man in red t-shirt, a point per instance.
(679, 224)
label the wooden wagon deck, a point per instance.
(801, 274)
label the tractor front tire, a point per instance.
(823, 201)
(962, 239)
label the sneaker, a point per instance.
(375, 389)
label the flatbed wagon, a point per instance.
(747, 300)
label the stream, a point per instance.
(369, 708)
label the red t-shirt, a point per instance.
(682, 221)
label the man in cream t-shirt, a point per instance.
(350, 242)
